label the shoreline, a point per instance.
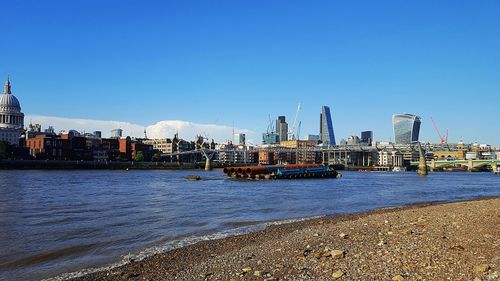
(244, 257)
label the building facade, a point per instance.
(326, 133)
(406, 128)
(11, 117)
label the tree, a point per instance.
(156, 157)
(139, 156)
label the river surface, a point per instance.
(54, 222)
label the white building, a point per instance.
(390, 158)
(11, 117)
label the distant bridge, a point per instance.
(434, 164)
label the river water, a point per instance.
(54, 222)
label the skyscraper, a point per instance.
(282, 128)
(326, 134)
(406, 128)
(367, 137)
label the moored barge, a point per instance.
(288, 171)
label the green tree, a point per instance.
(139, 156)
(156, 157)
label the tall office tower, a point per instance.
(240, 139)
(406, 128)
(326, 134)
(367, 137)
(282, 128)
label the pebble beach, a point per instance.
(450, 241)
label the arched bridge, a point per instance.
(434, 164)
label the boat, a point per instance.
(399, 169)
(288, 171)
(455, 169)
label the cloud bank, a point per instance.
(162, 129)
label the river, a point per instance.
(54, 222)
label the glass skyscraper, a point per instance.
(406, 128)
(326, 134)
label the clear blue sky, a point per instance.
(239, 61)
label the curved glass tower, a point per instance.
(406, 128)
(326, 134)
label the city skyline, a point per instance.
(221, 63)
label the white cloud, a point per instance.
(162, 129)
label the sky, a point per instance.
(238, 63)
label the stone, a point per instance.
(337, 274)
(343, 235)
(257, 273)
(318, 255)
(246, 269)
(398, 278)
(482, 268)
(338, 254)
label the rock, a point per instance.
(343, 235)
(318, 255)
(389, 233)
(193, 178)
(337, 274)
(257, 273)
(246, 269)
(338, 254)
(398, 278)
(482, 268)
(382, 243)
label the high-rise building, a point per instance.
(326, 133)
(367, 137)
(240, 139)
(406, 128)
(116, 133)
(11, 117)
(270, 138)
(282, 128)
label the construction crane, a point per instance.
(298, 130)
(443, 139)
(270, 127)
(294, 126)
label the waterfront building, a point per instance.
(282, 128)
(306, 150)
(116, 133)
(390, 158)
(367, 137)
(11, 117)
(326, 133)
(406, 128)
(230, 154)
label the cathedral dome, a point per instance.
(8, 101)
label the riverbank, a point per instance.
(96, 165)
(454, 241)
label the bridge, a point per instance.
(470, 164)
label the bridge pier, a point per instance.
(470, 164)
(494, 167)
(432, 166)
(208, 165)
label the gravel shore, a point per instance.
(453, 241)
